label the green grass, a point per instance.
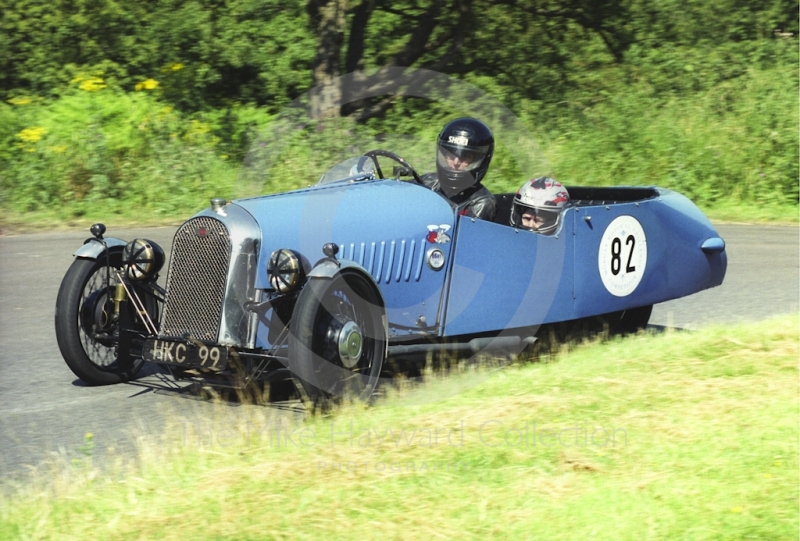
(705, 428)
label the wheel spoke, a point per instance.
(100, 355)
(86, 328)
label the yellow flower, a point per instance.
(200, 132)
(92, 84)
(147, 84)
(20, 101)
(737, 509)
(31, 135)
(164, 112)
(59, 149)
(177, 66)
(199, 127)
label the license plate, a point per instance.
(186, 355)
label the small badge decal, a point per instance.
(202, 232)
(458, 140)
(437, 234)
(435, 259)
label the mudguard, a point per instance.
(92, 249)
(328, 268)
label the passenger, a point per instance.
(538, 205)
(464, 150)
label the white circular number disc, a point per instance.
(623, 256)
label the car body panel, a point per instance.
(381, 225)
(676, 265)
(496, 277)
(504, 277)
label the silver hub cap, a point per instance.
(350, 344)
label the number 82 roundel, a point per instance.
(622, 257)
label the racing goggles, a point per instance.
(461, 158)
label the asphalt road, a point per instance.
(45, 411)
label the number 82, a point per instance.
(616, 253)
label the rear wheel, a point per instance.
(337, 344)
(87, 329)
(634, 319)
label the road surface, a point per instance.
(46, 411)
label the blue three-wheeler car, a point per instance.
(324, 284)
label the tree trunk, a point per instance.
(328, 20)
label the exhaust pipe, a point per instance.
(476, 345)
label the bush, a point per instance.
(108, 148)
(737, 141)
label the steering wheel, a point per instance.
(373, 154)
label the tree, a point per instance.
(450, 36)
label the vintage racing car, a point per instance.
(324, 284)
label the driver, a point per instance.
(463, 152)
(538, 205)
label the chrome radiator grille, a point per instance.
(196, 282)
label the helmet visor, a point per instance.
(534, 219)
(456, 158)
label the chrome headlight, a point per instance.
(142, 259)
(285, 270)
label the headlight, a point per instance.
(285, 270)
(142, 259)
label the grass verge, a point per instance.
(681, 435)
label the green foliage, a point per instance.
(117, 150)
(201, 55)
(737, 140)
(109, 106)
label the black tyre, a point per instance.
(86, 330)
(634, 319)
(337, 343)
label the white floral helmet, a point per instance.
(543, 197)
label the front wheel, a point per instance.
(337, 344)
(87, 330)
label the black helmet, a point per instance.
(464, 149)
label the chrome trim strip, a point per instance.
(391, 262)
(379, 272)
(418, 272)
(371, 257)
(399, 272)
(407, 274)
